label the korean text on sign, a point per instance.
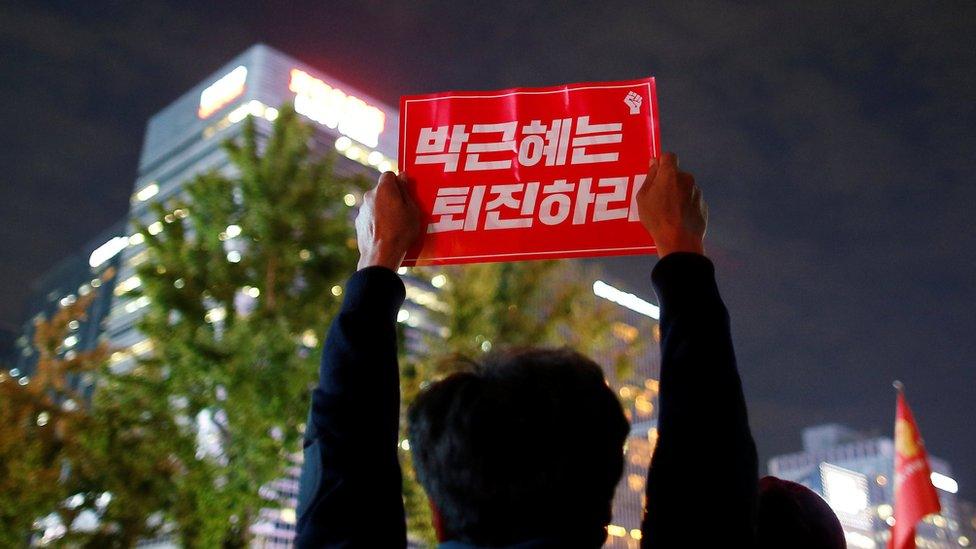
(529, 173)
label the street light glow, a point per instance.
(630, 301)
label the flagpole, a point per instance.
(898, 385)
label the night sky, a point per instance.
(835, 146)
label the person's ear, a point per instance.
(436, 519)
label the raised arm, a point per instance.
(705, 451)
(350, 489)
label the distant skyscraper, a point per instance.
(91, 269)
(853, 472)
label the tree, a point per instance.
(498, 305)
(37, 428)
(63, 456)
(242, 278)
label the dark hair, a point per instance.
(529, 444)
(792, 515)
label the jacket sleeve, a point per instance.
(350, 488)
(705, 456)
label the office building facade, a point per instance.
(854, 473)
(92, 269)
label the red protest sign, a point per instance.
(529, 173)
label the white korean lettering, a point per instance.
(473, 162)
(554, 208)
(454, 201)
(602, 210)
(433, 147)
(596, 134)
(505, 196)
(540, 141)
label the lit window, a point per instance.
(128, 285)
(223, 91)
(624, 332)
(147, 192)
(107, 251)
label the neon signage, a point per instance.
(217, 95)
(333, 108)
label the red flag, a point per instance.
(915, 495)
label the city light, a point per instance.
(107, 251)
(147, 192)
(342, 143)
(944, 483)
(438, 281)
(128, 285)
(631, 301)
(335, 109)
(846, 492)
(855, 539)
(223, 91)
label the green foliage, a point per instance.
(60, 454)
(240, 281)
(494, 306)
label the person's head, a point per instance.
(527, 444)
(792, 515)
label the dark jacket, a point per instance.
(701, 487)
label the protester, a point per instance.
(792, 515)
(525, 450)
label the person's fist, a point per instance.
(387, 224)
(671, 208)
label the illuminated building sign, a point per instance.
(847, 494)
(223, 91)
(331, 107)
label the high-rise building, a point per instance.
(854, 473)
(184, 140)
(91, 269)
